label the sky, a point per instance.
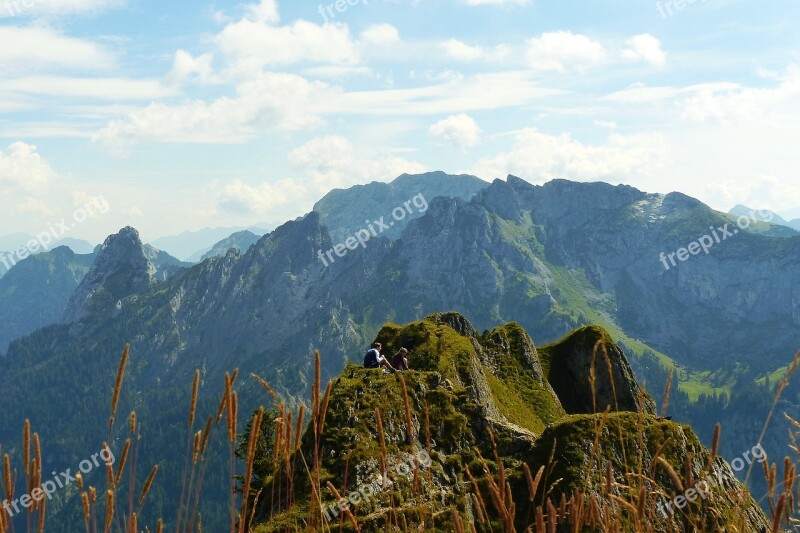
(182, 115)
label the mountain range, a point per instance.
(552, 258)
(743, 210)
(191, 246)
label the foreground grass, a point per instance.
(279, 480)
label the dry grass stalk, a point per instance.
(778, 518)
(193, 405)
(667, 389)
(86, 509)
(266, 386)
(196, 450)
(7, 478)
(298, 432)
(347, 511)
(109, 510)
(326, 398)
(26, 445)
(778, 393)
(42, 514)
(122, 460)
(147, 484)
(255, 432)
(118, 386)
(676, 480)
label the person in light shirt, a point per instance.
(374, 359)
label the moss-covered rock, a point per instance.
(589, 373)
(458, 430)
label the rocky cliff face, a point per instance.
(124, 265)
(471, 397)
(241, 241)
(344, 211)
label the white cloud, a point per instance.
(185, 65)
(44, 48)
(265, 11)
(36, 8)
(380, 35)
(287, 102)
(563, 50)
(31, 205)
(540, 157)
(608, 124)
(497, 2)
(22, 168)
(249, 45)
(332, 162)
(240, 198)
(98, 88)
(639, 93)
(458, 94)
(461, 51)
(722, 102)
(459, 130)
(647, 48)
(761, 192)
(268, 103)
(336, 71)
(324, 163)
(726, 103)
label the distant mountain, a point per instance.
(12, 243)
(764, 221)
(192, 245)
(79, 246)
(346, 211)
(743, 210)
(35, 292)
(241, 241)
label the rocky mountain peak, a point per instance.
(123, 265)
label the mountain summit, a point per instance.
(124, 265)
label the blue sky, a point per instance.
(185, 115)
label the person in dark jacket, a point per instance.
(374, 359)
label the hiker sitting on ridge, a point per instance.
(374, 359)
(400, 361)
